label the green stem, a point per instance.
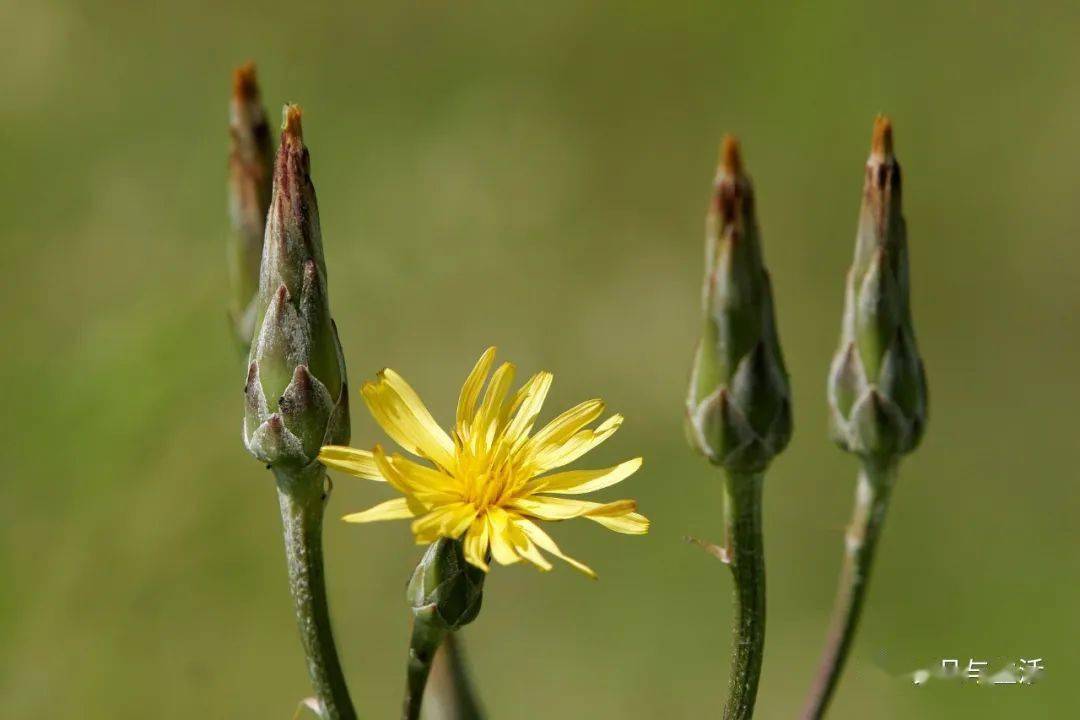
(450, 694)
(871, 502)
(746, 557)
(302, 498)
(427, 635)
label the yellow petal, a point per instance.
(428, 483)
(470, 391)
(578, 482)
(536, 391)
(401, 413)
(566, 424)
(391, 474)
(397, 481)
(544, 541)
(475, 544)
(524, 547)
(444, 521)
(556, 455)
(360, 463)
(395, 509)
(613, 509)
(456, 525)
(502, 549)
(554, 508)
(631, 523)
(510, 407)
(485, 422)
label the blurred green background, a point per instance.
(533, 176)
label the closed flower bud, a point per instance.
(738, 409)
(297, 400)
(877, 385)
(251, 158)
(445, 591)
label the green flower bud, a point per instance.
(877, 385)
(250, 181)
(738, 409)
(445, 591)
(297, 399)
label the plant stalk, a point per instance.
(423, 644)
(746, 558)
(302, 498)
(871, 502)
(450, 694)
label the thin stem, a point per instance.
(871, 502)
(746, 557)
(450, 694)
(302, 498)
(427, 635)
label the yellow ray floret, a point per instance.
(488, 481)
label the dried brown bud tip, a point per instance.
(881, 142)
(731, 184)
(245, 87)
(291, 129)
(730, 156)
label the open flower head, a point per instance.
(490, 479)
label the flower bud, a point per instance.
(297, 399)
(877, 384)
(445, 591)
(250, 181)
(738, 409)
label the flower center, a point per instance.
(487, 486)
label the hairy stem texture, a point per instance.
(871, 502)
(746, 558)
(302, 498)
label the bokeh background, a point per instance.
(532, 175)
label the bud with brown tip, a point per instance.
(877, 385)
(297, 400)
(250, 181)
(738, 410)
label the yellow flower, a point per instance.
(486, 481)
